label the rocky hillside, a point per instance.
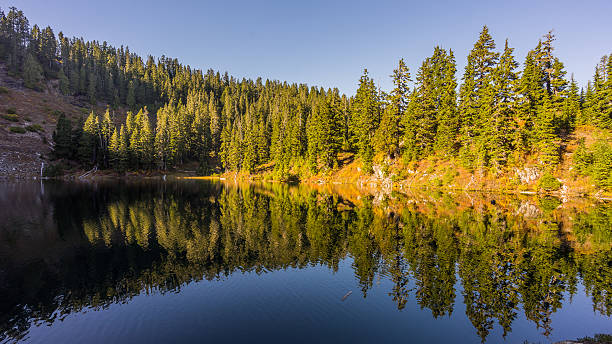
(27, 121)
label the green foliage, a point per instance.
(11, 111)
(548, 204)
(386, 139)
(32, 73)
(602, 164)
(62, 137)
(582, 158)
(488, 257)
(37, 128)
(366, 114)
(64, 83)
(4, 90)
(88, 142)
(477, 98)
(595, 161)
(449, 176)
(499, 116)
(548, 182)
(17, 130)
(53, 170)
(11, 117)
(598, 338)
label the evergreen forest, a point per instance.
(501, 111)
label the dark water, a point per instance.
(195, 261)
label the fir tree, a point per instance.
(32, 73)
(366, 113)
(477, 99)
(88, 143)
(388, 133)
(113, 150)
(501, 123)
(62, 137)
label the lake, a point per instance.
(200, 261)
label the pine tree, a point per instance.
(104, 134)
(476, 99)
(447, 113)
(531, 95)
(62, 137)
(502, 120)
(215, 123)
(545, 133)
(32, 73)
(249, 149)
(91, 87)
(88, 143)
(388, 133)
(131, 95)
(572, 113)
(410, 125)
(162, 140)
(366, 114)
(602, 160)
(113, 150)
(123, 154)
(146, 141)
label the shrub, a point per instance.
(35, 128)
(53, 170)
(11, 117)
(11, 110)
(18, 130)
(57, 113)
(548, 182)
(3, 90)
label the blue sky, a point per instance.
(328, 43)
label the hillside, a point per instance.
(448, 173)
(27, 121)
(504, 125)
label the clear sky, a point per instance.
(328, 43)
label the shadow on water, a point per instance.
(88, 246)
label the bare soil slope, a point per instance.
(36, 113)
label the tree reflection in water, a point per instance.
(92, 245)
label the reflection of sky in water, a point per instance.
(283, 303)
(297, 305)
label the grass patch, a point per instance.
(17, 130)
(35, 128)
(11, 117)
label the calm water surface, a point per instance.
(196, 261)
